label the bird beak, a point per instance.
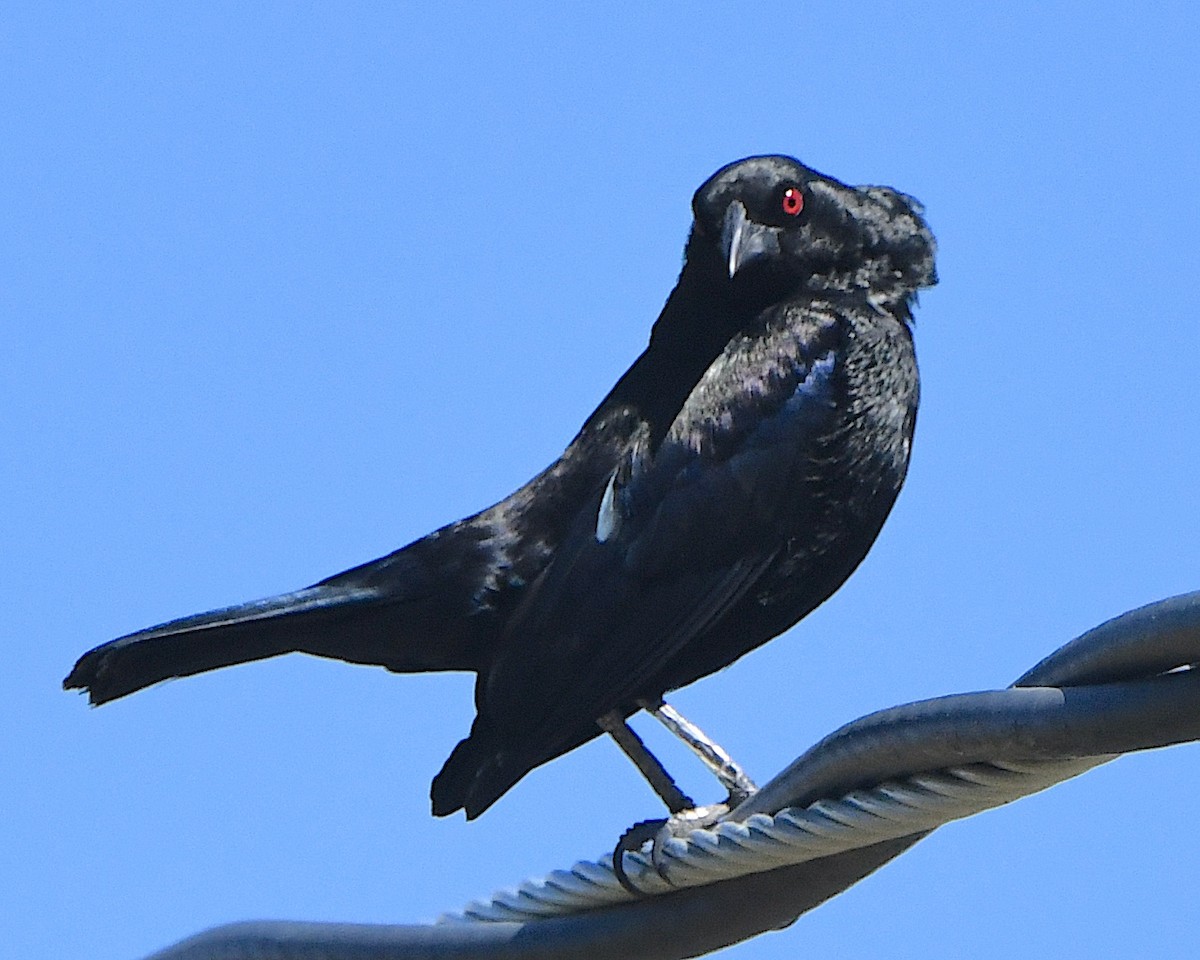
(744, 240)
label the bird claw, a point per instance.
(632, 841)
(658, 833)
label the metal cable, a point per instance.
(792, 836)
(857, 799)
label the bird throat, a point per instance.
(691, 332)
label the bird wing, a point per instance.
(674, 537)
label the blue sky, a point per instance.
(287, 287)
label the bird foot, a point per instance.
(658, 833)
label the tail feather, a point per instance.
(411, 611)
(206, 641)
(352, 623)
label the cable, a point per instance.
(860, 797)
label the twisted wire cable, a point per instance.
(857, 799)
(889, 811)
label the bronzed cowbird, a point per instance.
(728, 484)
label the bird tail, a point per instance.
(387, 613)
(239, 634)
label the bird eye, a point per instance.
(792, 201)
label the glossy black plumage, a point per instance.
(727, 485)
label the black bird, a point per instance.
(728, 484)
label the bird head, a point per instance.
(770, 222)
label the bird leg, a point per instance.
(685, 815)
(678, 802)
(733, 778)
(613, 723)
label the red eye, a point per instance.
(792, 202)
